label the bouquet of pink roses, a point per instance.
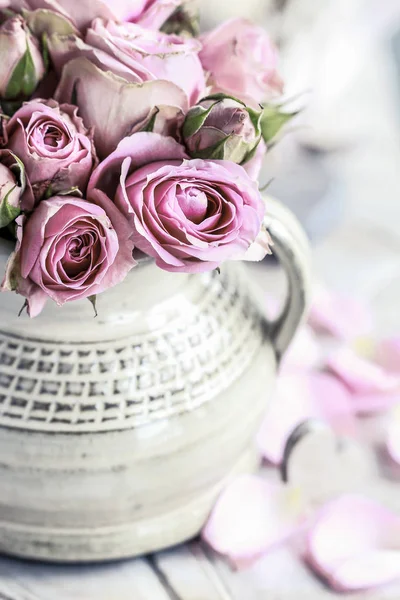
(125, 134)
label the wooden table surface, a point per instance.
(362, 255)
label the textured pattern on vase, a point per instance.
(132, 381)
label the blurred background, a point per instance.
(339, 169)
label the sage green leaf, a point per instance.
(24, 79)
(8, 212)
(272, 121)
(195, 120)
(149, 126)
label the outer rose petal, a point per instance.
(122, 104)
(81, 12)
(354, 544)
(250, 517)
(140, 149)
(156, 13)
(343, 317)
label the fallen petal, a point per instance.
(354, 544)
(360, 375)
(301, 397)
(289, 406)
(393, 434)
(343, 317)
(304, 352)
(387, 354)
(367, 404)
(250, 517)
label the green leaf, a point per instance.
(45, 52)
(272, 121)
(216, 152)
(93, 301)
(222, 96)
(18, 168)
(8, 213)
(23, 81)
(74, 191)
(152, 121)
(195, 119)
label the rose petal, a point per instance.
(122, 104)
(300, 397)
(387, 354)
(343, 317)
(361, 376)
(141, 149)
(304, 352)
(393, 433)
(354, 544)
(250, 517)
(290, 405)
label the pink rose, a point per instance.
(69, 249)
(149, 13)
(241, 61)
(190, 215)
(55, 147)
(132, 70)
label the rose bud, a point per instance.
(22, 65)
(242, 61)
(54, 145)
(10, 194)
(222, 128)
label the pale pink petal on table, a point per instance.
(360, 375)
(341, 316)
(387, 354)
(393, 434)
(300, 397)
(367, 404)
(332, 403)
(289, 406)
(304, 352)
(354, 544)
(250, 517)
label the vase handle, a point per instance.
(292, 249)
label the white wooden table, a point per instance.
(363, 255)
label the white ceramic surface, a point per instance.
(117, 433)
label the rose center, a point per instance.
(193, 203)
(52, 136)
(80, 247)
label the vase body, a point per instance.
(117, 433)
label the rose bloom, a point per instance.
(54, 145)
(241, 60)
(149, 13)
(69, 249)
(136, 54)
(132, 70)
(190, 215)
